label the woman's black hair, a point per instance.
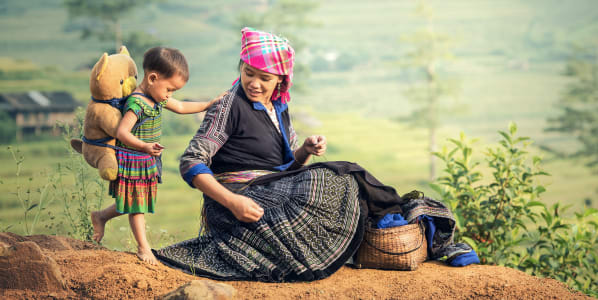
(166, 61)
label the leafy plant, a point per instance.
(87, 190)
(503, 218)
(33, 200)
(565, 249)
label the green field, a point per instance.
(509, 57)
(400, 162)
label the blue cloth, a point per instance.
(465, 259)
(117, 103)
(391, 220)
(197, 169)
(459, 260)
(430, 230)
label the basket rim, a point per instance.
(405, 227)
(385, 231)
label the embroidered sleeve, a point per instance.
(293, 140)
(132, 104)
(210, 137)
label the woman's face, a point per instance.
(257, 84)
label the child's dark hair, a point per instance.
(166, 61)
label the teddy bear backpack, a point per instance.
(113, 78)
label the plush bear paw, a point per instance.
(109, 174)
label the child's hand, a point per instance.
(218, 98)
(154, 149)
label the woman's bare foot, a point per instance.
(98, 226)
(147, 256)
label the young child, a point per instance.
(139, 169)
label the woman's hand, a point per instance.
(315, 144)
(245, 209)
(153, 149)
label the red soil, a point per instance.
(94, 272)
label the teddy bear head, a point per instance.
(113, 76)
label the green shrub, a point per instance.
(503, 218)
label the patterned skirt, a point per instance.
(135, 188)
(308, 231)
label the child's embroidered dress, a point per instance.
(135, 189)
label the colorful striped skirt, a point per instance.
(135, 188)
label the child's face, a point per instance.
(161, 88)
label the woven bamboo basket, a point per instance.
(397, 248)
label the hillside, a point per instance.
(93, 272)
(508, 59)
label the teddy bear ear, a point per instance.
(101, 65)
(123, 50)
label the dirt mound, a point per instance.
(24, 266)
(90, 271)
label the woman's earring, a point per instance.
(279, 88)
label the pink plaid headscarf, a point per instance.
(269, 53)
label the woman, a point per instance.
(268, 216)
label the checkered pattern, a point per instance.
(307, 230)
(271, 54)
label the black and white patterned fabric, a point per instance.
(309, 229)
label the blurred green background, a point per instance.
(502, 61)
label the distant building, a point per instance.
(36, 113)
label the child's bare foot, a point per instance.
(147, 256)
(98, 226)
